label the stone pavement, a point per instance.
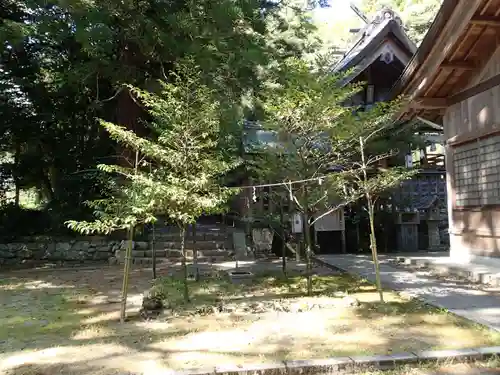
(479, 270)
(460, 298)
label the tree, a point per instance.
(71, 63)
(131, 205)
(182, 163)
(317, 143)
(370, 181)
(191, 160)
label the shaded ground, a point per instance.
(55, 322)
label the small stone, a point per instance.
(350, 301)
(63, 247)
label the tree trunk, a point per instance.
(283, 241)
(184, 263)
(369, 200)
(373, 246)
(153, 253)
(298, 248)
(17, 162)
(307, 237)
(126, 274)
(358, 237)
(195, 255)
(248, 224)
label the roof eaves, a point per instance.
(425, 47)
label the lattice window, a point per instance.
(477, 173)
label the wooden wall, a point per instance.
(478, 115)
(472, 133)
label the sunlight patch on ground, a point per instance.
(73, 328)
(101, 358)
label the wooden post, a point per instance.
(153, 253)
(283, 239)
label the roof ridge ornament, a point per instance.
(387, 13)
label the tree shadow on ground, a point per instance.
(76, 314)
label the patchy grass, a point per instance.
(67, 322)
(264, 286)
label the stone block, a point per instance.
(74, 255)
(24, 252)
(142, 245)
(137, 254)
(174, 254)
(161, 253)
(6, 252)
(240, 277)
(489, 351)
(448, 355)
(62, 247)
(102, 249)
(99, 256)
(374, 361)
(81, 246)
(319, 366)
(165, 245)
(196, 371)
(277, 368)
(404, 358)
(50, 249)
(37, 246)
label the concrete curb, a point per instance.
(473, 276)
(347, 365)
(327, 265)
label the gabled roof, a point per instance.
(385, 33)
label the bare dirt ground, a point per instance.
(66, 322)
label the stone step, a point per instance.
(208, 253)
(171, 253)
(174, 236)
(176, 253)
(200, 245)
(471, 272)
(149, 261)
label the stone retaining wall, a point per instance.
(39, 250)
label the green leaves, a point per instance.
(178, 166)
(318, 132)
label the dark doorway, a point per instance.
(329, 242)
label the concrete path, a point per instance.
(461, 298)
(479, 270)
